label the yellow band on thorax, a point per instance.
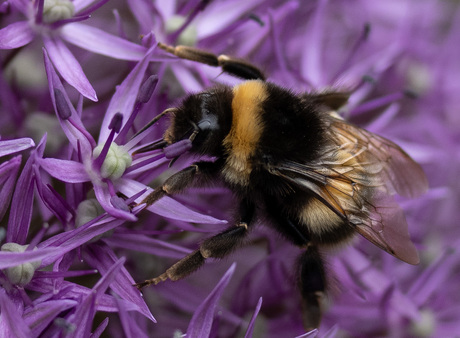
(246, 130)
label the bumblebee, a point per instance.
(292, 161)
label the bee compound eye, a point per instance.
(209, 122)
(204, 124)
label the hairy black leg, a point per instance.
(232, 66)
(217, 246)
(182, 180)
(312, 285)
(311, 277)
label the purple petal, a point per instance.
(166, 206)
(16, 35)
(9, 259)
(70, 290)
(142, 11)
(437, 274)
(311, 334)
(109, 276)
(64, 274)
(82, 319)
(22, 5)
(69, 240)
(130, 327)
(332, 332)
(8, 174)
(221, 14)
(5, 7)
(146, 244)
(250, 329)
(201, 322)
(125, 96)
(21, 206)
(101, 257)
(68, 67)
(311, 65)
(83, 314)
(11, 322)
(80, 139)
(100, 42)
(65, 170)
(80, 4)
(52, 200)
(170, 208)
(93, 6)
(8, 147)
(105, 199)
(100, 329)
(39, 316)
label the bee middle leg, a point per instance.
(183, 179)
(217, 246)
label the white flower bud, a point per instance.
(21, 274)
(188, 37)
(425, 326)
(87, 211)
(419, 78)
(54, 10)
(116, 161)
(38, 123)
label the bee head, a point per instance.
(204, 119)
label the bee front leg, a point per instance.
(312, 285)
(182, 180)
(230, 65)
(217, 246)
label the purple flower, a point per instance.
(9, 169)
(105, 164)
(56, 21)
(74, 239)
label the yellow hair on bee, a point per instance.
(246, 130)
(319, 217)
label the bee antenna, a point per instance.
(152, 146)
(173, 161)
(195, 132)
(153, 121)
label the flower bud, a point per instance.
(88, 210)
(116, 161)
(55, 10)
(21, 274)
(188, 37)
(425, 326)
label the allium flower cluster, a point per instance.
(79, 80)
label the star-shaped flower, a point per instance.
(59, 21)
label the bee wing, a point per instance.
(399, 172)
(355, 179)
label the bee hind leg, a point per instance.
(312, 285)
(217, 246)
